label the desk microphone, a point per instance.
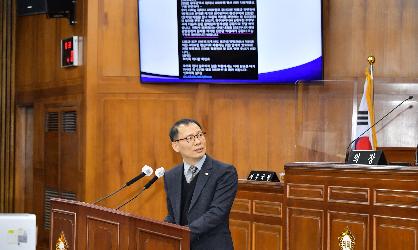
(146, 171)
(159, 172)
(347, 151)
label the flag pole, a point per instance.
(371, 59)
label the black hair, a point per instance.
(174, 129)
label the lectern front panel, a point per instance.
(83, 226)
(149, 240)
(103, 234)
(63, 224)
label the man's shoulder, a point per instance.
(174, 169)
(220, 165)
(225, 172)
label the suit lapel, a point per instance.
(202, 179)
(177, 179)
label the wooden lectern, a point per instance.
(78, 225)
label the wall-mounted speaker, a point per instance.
(61, 8)
(53, 8)
(31, 7)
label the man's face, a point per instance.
(190, 145)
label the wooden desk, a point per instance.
(256, 216)
(400, 155)
(378, 204)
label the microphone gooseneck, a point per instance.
(146, 171)
(347, 151)
(159, 172)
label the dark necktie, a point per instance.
(192, 173)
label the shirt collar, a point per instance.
(199, 164)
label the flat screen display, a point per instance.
(236, 41)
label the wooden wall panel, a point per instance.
(37, 52)
(118, 50)
(252, 127)
(343, 46)
(386, 29)
(39, 173)
(71, 169)
(127, 142)
(38, 58)
(25, 42)
(62, 149)
(46, 57)
(23, 161)
(48, 162)
(51, 156)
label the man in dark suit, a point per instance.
(200, 191)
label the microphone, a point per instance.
(146, 171)
(347, 151)
(159, 172)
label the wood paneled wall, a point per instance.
(125, 123)
(356, 29)
(38, 71)
(251, 126)
(42, 85)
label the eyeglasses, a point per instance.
(192, 138)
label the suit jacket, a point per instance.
(208, 214)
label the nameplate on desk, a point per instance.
(263, 176)
(367, 157)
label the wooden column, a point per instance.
(7, 105)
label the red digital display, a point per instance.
(67, 52)
(71, 49)
(68, 45)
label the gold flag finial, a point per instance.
(371, 60)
